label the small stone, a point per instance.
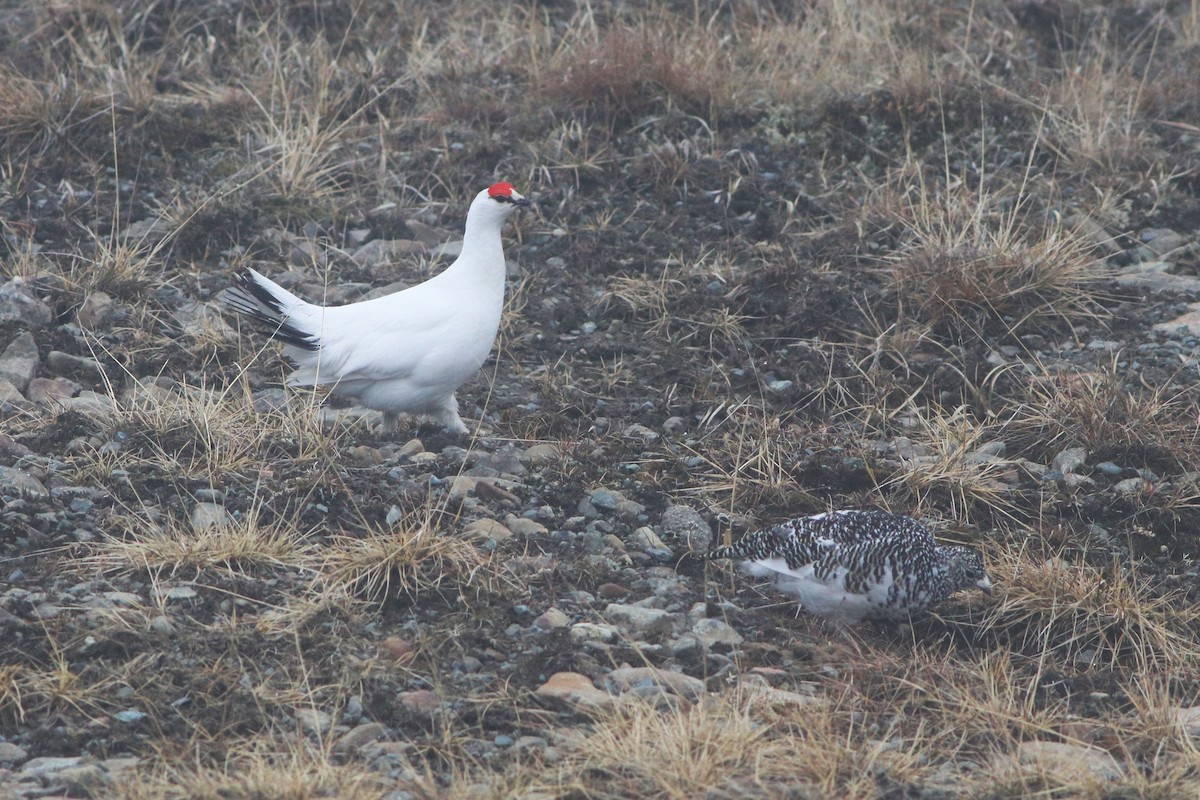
(411, 448)
(674, 425)
(575, 690)
(50, 391)
(18, 304)
(129, 715)
(779, 387)
(1130, 485)
(162, 625)
(1069, 460)
(48, 765)
(14, 481)
(485, 529)
(612, 591)
(11, 754)
(203, 321)
(314, 721)
(94, 404)
(523, 526)
(97, 309)
(210, 515)
(626, 679)
(421, 702)
(646, 540)
(1070, 762)
(684, 524)
(59, 361)
(552, 618)
(180, 593)
(359, 736)
(398, 649)
(652, 621)
(1186, 718)
(19, 361)
(710, 631)
(541, 454)
(592, 631)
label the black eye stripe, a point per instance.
(501, 198)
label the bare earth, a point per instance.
(938, 258)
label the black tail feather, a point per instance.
(249, 298)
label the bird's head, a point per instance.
(496, 202)
(964, 567)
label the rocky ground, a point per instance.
(963, 287)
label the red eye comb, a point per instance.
(502, 189)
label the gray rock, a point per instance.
(60, 361)
(1189, 322)
(523, 526)
(94, 404)
(646, 621)
(52, 391)
(1072, 763)
(1152, 276)
(552, 618)
(19, 361)
(18, 304)
(210, 515)
(314, 721)
(684, 524)
(359, 736)
(180, 593)
(9, 393)
(377, 255)
(203, 321)
(592, 631)
(627, 679)
(14, 481)
(715, 631)
(97, 309)
(541, 454)
(48, 765)
(1069, 460)
(485, 529)
(645, 539)
(1129, 485)
(11, 754)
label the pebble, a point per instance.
(314, 721)
(1069, 460)
(488, 529)
(1130, 485)
(684, 524)
(1069, 763)
(523, 526)
(552, 618)
(715, 631)
(645, 621)
(19, 361)
(421, 702)
(575, 690)
(209, 515)
(359, 736)
(592, 631)
(628, 679)
(97, 309)
(59, 361)
(11, 754)
(15, 481)
(18, 304)
(541, 454)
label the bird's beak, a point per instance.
(519, 201)
(985, 585)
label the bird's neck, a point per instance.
(482, 251)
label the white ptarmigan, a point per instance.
(847, 566)
(407, 352)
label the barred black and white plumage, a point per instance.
(851, 565)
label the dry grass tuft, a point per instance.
(412, 558)
(264, 768)
(1107, 412)
(1086, 615)
(974, 260)
(626, 73)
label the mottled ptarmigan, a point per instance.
(407, 352)
(847, 566)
